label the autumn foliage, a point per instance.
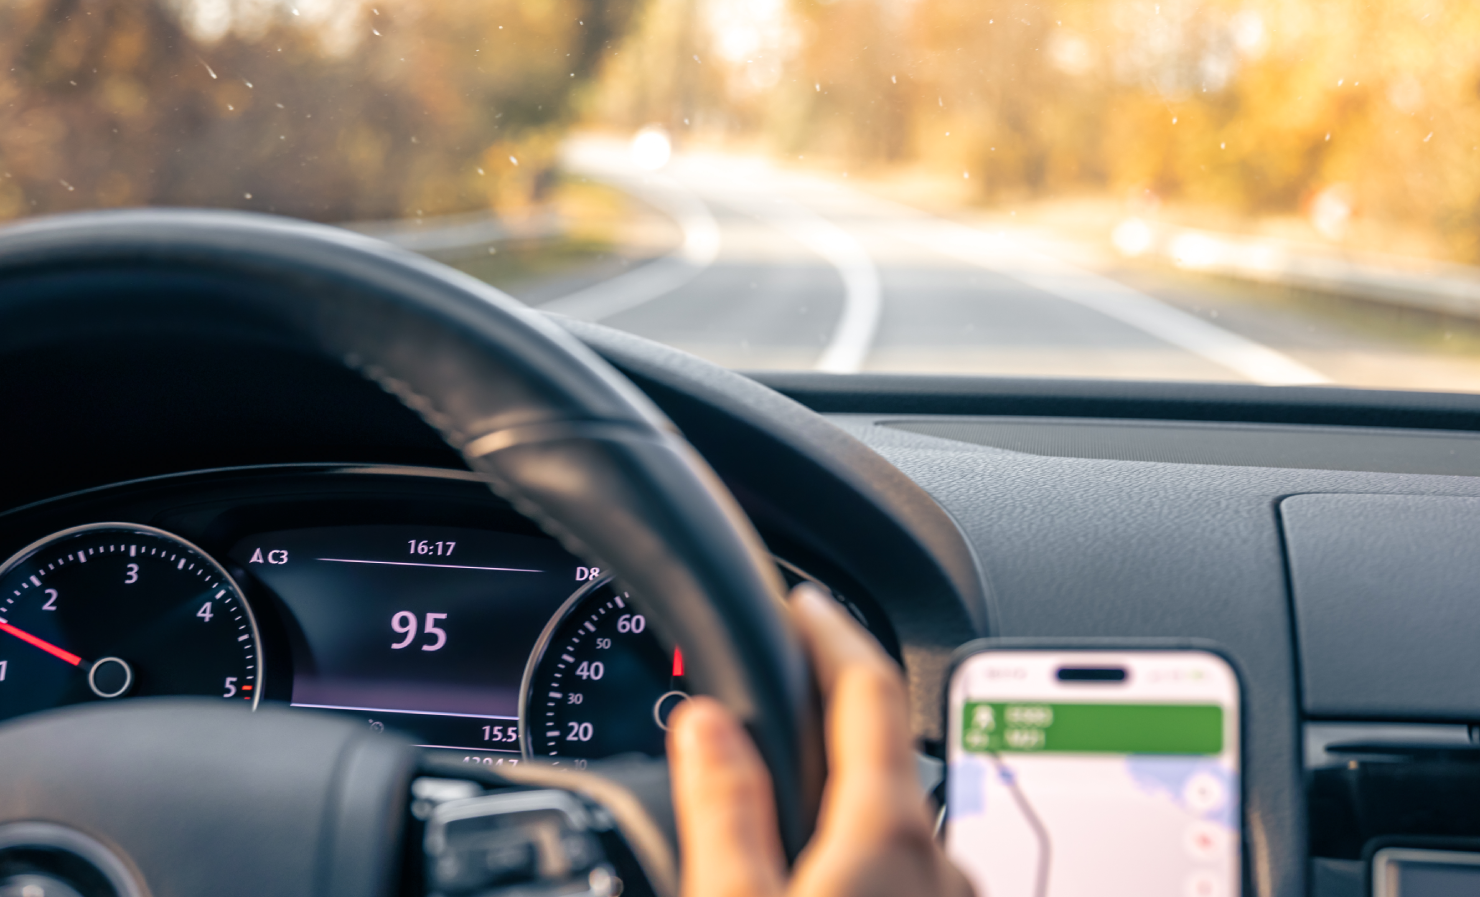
(1361, 116)
(381, 109)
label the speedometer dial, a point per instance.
(600, 683)
(118, 610)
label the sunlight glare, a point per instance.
(651, 148)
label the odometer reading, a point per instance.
(121, 610)
(603, 684)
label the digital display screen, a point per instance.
(1083, 786)
(421, 629)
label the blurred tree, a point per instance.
(344, 111)
(1247, 107)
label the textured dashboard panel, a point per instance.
(1240, 445)
(1387, 604)
(1076, 547)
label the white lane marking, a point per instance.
(609, 163)
(863, 301)
(854, 335)
(1013, 258)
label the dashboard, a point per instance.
(1323, 538)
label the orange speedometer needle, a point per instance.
(41, 643)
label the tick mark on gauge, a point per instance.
(565, 657)
(35, 581)
(589, 626)
(556, 694)
(244, 638)
(619, 602)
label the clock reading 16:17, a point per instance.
(119, 610)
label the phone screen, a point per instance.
(1078, 773)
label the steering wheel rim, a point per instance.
(552, 428)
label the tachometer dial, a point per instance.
(599, 683)
(116, 610)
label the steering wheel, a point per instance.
(183, 797)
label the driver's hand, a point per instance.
(873, 833)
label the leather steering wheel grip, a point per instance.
(553, 428)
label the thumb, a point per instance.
(722, 800)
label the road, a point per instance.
(780, 269)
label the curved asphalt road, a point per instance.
(784, 270)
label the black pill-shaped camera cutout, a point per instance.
(1092, 674)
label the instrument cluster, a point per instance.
(411, 602)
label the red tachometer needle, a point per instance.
(43, 644)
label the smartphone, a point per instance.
(1086, 772)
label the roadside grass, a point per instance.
(604, 232)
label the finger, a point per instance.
(722, 800)
(833, 638)
(867, 706)
(873, 836)
(873, 802)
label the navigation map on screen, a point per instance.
(1070, 797)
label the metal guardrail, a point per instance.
(1414, 283)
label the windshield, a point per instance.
(1263, 191)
